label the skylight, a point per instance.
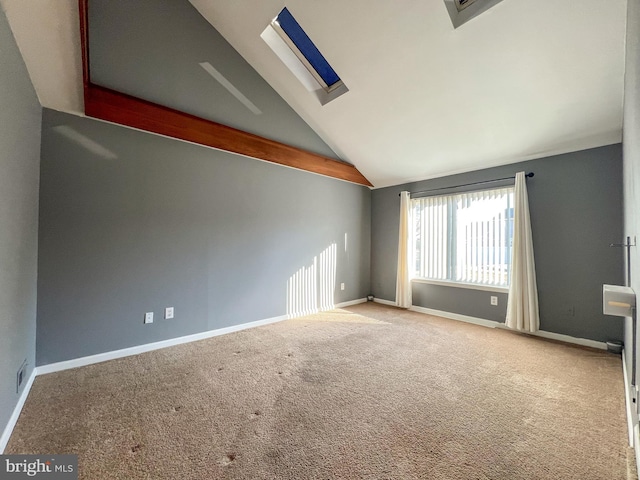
(462, 4)
(297, 51)
(306, 47)
(461, 11)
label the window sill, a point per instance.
(469, 286)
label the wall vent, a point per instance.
(21, 376)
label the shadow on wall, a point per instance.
(312, 289)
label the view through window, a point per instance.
(305, 49)
(465, 237)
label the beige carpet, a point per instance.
(367, 392)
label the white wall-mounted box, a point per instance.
(618, 300)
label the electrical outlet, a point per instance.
(168, 313)
(148, 317)
(342, 286)
(494, 300)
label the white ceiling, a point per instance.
(48, 35)
(526, 79)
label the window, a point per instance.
(461, 11)
(306, 49)
(464, 237)
(292, 45)
(462, 4)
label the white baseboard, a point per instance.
(385, 302)
(13, 419)
(351, 302)
(636, 448)
(148, 347)
(627, 402)
(493, 324)
(629, 405)
(455, 316)
(585, 342)
(126, 352)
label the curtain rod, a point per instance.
(530, 174)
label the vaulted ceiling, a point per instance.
(525, 79)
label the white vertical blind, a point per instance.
(464, 237)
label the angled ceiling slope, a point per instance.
(114, 106)
(117, 107)
(525, 79)
(48, 39)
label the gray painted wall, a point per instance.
(152, 49)
(463, 301)
(576, 212)
(132, 222)
(20, 115)
(631, 158)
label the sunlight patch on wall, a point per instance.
(230, 88)
(85, 142)
(312, 289)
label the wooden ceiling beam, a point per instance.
(106, 104)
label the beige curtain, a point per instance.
(522, 306)
(403, 283)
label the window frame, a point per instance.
(449, 282)
(291, 43)
(462, 4)
(460, 16)
(296, 62)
